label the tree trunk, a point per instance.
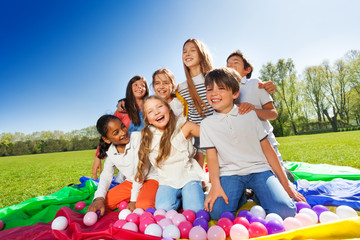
(332, 120)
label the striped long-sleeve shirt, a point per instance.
(183, 90)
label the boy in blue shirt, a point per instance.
(239, 154)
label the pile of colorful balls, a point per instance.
(198, 226)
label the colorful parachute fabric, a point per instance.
(324, 184)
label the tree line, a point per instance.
(48, 142)
(325, 97)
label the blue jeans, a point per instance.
(269, 193)
(191, 195)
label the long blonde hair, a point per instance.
(205, 66)
(146, 140)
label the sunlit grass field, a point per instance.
(28, 176)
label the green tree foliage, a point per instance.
(48, 142)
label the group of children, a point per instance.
(158, 143)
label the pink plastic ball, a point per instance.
(239, 232)
(305, 219)
(80, 205)
(216, 233)
(300, 205)
(178, 218)
(164, 222)
(158, 218)
(90, 218)
(123, 205)
(257, 229)
(160, 212)
(226, 224)
(189, 215)
(144, 223)
(311, 213)
(153, 230)
(130, 226)
(243, 221)
(291, 223)
(146, 215)
(133, 217)
(139, 211)
(171, 213)
(185, 228)
(119, 223)
(197, 233)
(171, 231)
(1, 225)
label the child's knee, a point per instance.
(284, 210)
(145, 204)
(166, 205)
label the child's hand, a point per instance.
(131, 206)
(121, 106)
(96, 165)
(214, 193)
(98, 204)
(245, 108)
(268, 86)
(295, 195)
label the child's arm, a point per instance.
(267, 112)
(104, 184)
(216, 190)
(190, 129)
(268, 86)
(96, 166)
(276, 167)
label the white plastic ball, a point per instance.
(328, 216)
(153, 230)
(90, 218)
(124, 213)
(344, 211)
(258, 211)
(273, 216)
(171, 231)
(59, 223)
(311, 213)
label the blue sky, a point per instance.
(65, 63)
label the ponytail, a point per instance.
(103, 147)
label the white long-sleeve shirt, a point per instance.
(126, 163)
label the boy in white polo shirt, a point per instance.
(239, 154)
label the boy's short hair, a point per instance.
(247, 63)
(224, 77)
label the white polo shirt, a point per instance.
(126, 163)
(251, 93)
(237, 141)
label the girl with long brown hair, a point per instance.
(166, 146)
(197, 62)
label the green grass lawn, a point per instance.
(28, 176)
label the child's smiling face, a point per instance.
(190, 55)
(157, 113)
(139, 88)
(220, 98)
(163, 86)
(236, 63)
(117, 133)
